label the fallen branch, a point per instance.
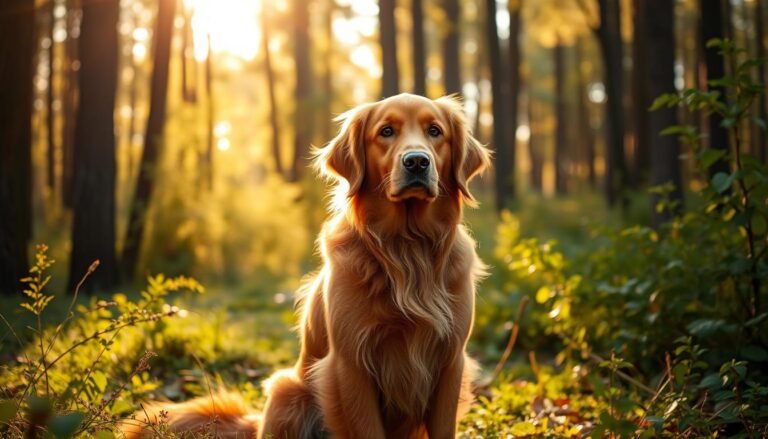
(508, 350)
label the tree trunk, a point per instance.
(188, 78)
(609, 35)
(419, 54)
(711, 26)
(450, 43)
(561, 130)
(327, 80)
(585, 125)
(760, 143)
(17, 49)
(93, 233)
(50, 159)
(70, 102)
(533, 148)
(153, 138)
(269, 74)
(210, 116)
(514, 7)
(640, 101)
(303, 119)
(390, 80)
(665, 164)
(505, 189)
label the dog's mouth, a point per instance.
(418, 189)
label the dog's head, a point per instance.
(405, 148)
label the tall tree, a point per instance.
(505, 189)
(188, 75)
(93, 231)
(419, 52)
(609, 35)
(585, 126)
(514, 8)
(70, 101)
(303, 119)
(665, 164)
(17, 49)
(640, 101)
(450, 45)
(760, 139)
(534, 149)
(153, 138)
(210, 115)
(269, 74)
(712, 26)
(390, 79)
(327, 79)
(561, 128)
(50, 159)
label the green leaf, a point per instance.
(708, 157)
(754, 353)
(523, 429)
(64, 426)
(8, 410)
(543, 294)
(103, 434)
(711, 381)
(721, 181)
(757, 320)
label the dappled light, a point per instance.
(189, 206)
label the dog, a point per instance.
(385, 322)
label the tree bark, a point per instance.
(70, 102)
(609, 35)
(450, 46)
(533, 149)
(419, 54)
(93, 232)
(760, 143)
(153, 138)
(327, 80)
(515, 23)
(270, 76)
(505, 189)
(188, 78)
(640, 101)
(712, 26)
(50, 159)
(210, 116)
(561, 130)
(665, 164)
(17, 49)
(585, 125)
(390, 80)
(303, 119)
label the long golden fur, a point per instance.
(385, 322)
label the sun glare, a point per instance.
(232, 25)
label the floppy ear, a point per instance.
(344, 156)
(469, 157)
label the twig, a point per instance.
(508, 350)
(598, 359)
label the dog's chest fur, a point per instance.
(405, 339)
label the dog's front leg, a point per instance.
(348, 400)
(441, 417)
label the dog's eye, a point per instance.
(434, 131)
(387, 131)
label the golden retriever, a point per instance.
(385, 322)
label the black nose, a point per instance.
(416, 162)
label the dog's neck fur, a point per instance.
(412, 242)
